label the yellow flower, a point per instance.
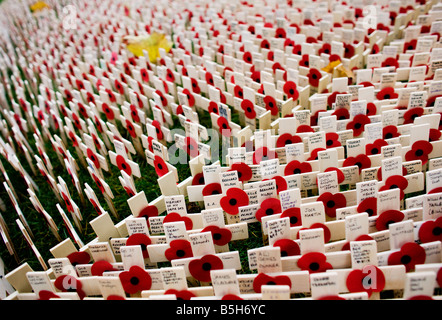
(329, 68)
(151, 44)
(38, 6)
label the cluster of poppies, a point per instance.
(85, 86)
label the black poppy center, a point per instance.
(206, 266)
(314, 266)
(180, 253)
(284, 253)
(269, 211)
(358, 164)
(419, 153)
(232, 202)
(405, 259)
(288, 141)
(224, 126)
(123, 165)
(249, 109)
(329, 142)
(387, 96)
(330, 204)
(389, 222)
(314, 76)
(143, 246)
(271, 283)
(271, 104)
(134, 281)
(370, 212)
(217, 236)
(393, 186)
(291, 91)
(437, 231)
(215, 192)
(293, 220)
(159, 166)
(240, 93)
(374, 151)
(358, 125)
(297, 170)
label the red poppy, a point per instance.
(388, 217)
(314, 154)
(349, 51)
(190, 97)
(170, 76)
(249, 109)
(363, 237)
(231, 297)
(280, 33)
(314, 262)
(431, 100)
(158, 129)
(174, 217)
(332, 98)
(341, 114)
(200, 268)
(209, 78)
(371, 109)
(224, 126)
(131, 129)
(281, 183)
(91, 155)
(265, 44)
(375, 147)
(213, 107)
(332, 202)
(332, 140)
(270, 55)
(263, 279)
(244, 171)
(435, 134)
(134, 113)
(318, 225)
(297, 49)
(390, 62)
(139, 239)
(297, 167)
(181, 294)
(178, 249)
(277, 66)
(256, 76)
(304, 62)
(148, 211)
(294, 215)
(361, 160)
(288, 247)
(326, 48)
(160, 166)
(98, 267)
(123, 165)
(134, 280)
(386, 94)
(390, 132)
(431, 230)
(262, 154)
(195, 87)
(238, 92)
(412, 114)
(370, 279)
(331, 297)
(369, 205)
(358, 124)
(220, 236)
(303, 128)
(287, 138)
(419, 151)
(212, 189)
(68, 283)
(144, 75)
(271, 105)
(396, 181)
(366, 84)
(247, 57)
(234, 198)
(290, 90)
(334, 57)
(340, 174)
(313, 77)
(67, 202)
(46, 295)
(191, 147)
(98, 183)
(409, 255)
(79, 257)
(268, 207)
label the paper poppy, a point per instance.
(318, 225)
(280, 33)
(169, 75)
(79, 257)
(389, 132)
(249, 109)
(435, 134)
(270, 104)
(247, 57)
(263, 279)
(326, 48)
(370, 279)
(178, 249)
(297, 167)
(341, 114)
(412, 114)
(304, 128)
(224, 126)
(195, 87)
(393, 182)
(294, 215)
(180, 294)
(134, 113)
(209, 78)
(268, 207)
(174, 217)
(314, 154)
(288, 247)
(190, 97)
(290, 90)
(262, 154)
(431, 100)
(238, 92)
(286, 138)
(200, 268)
(148, 211)
(313, 77)
(136, 279)
(231, 297)
(158, 129)
(123, 165)
(409, 255)
(363, 237)
(361, 160)
(144, 75)
(387, 217)
(256, 76)
(131, 129)
(270, 55)
(332, 140)
(244, 171)
(386, 94)
(67, 201)
(314, 262)
(349, 51)
(332, 98)
(46, 295)
(419, 151)
(98, 267)
(98, 183)
(212, 189)
(340, 174)
(234, 198)
(332, 202)
(375, 147)
(191, 147)
(369, 205)
(265, 44)
(281, 183)
(68, 283)
(331, 297)
(390, 62)
(297, 49)
(139, 239)
(92, 156)
(358, 124)
(220, 236)
(213, 107)
(431, 231)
